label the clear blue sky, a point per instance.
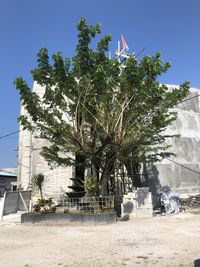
(172, 27)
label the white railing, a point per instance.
(88, 204)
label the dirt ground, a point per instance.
(160, 241)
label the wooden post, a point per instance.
(30, 206)
(23, 201)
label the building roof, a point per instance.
(7, 174)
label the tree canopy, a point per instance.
(106, 115)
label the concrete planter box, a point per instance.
(66, 218)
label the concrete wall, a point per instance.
(24, 155)
(66, 218)
(30, 162)
(187, 150)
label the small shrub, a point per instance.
(37, 183)
(44, 206)
(90, 183)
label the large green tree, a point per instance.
(105, 115)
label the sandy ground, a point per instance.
(160, 241)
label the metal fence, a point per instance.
(88, 204)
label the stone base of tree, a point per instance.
(66, 218)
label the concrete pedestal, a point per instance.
(138, 204)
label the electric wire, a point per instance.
(12, 133)
(182, 165)
(187, 99)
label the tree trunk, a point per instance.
(95, 174)
(133, 172)
(79, 167)
(104, 184)
(41, 194)
(107, 171)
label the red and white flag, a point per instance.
(124, 44)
